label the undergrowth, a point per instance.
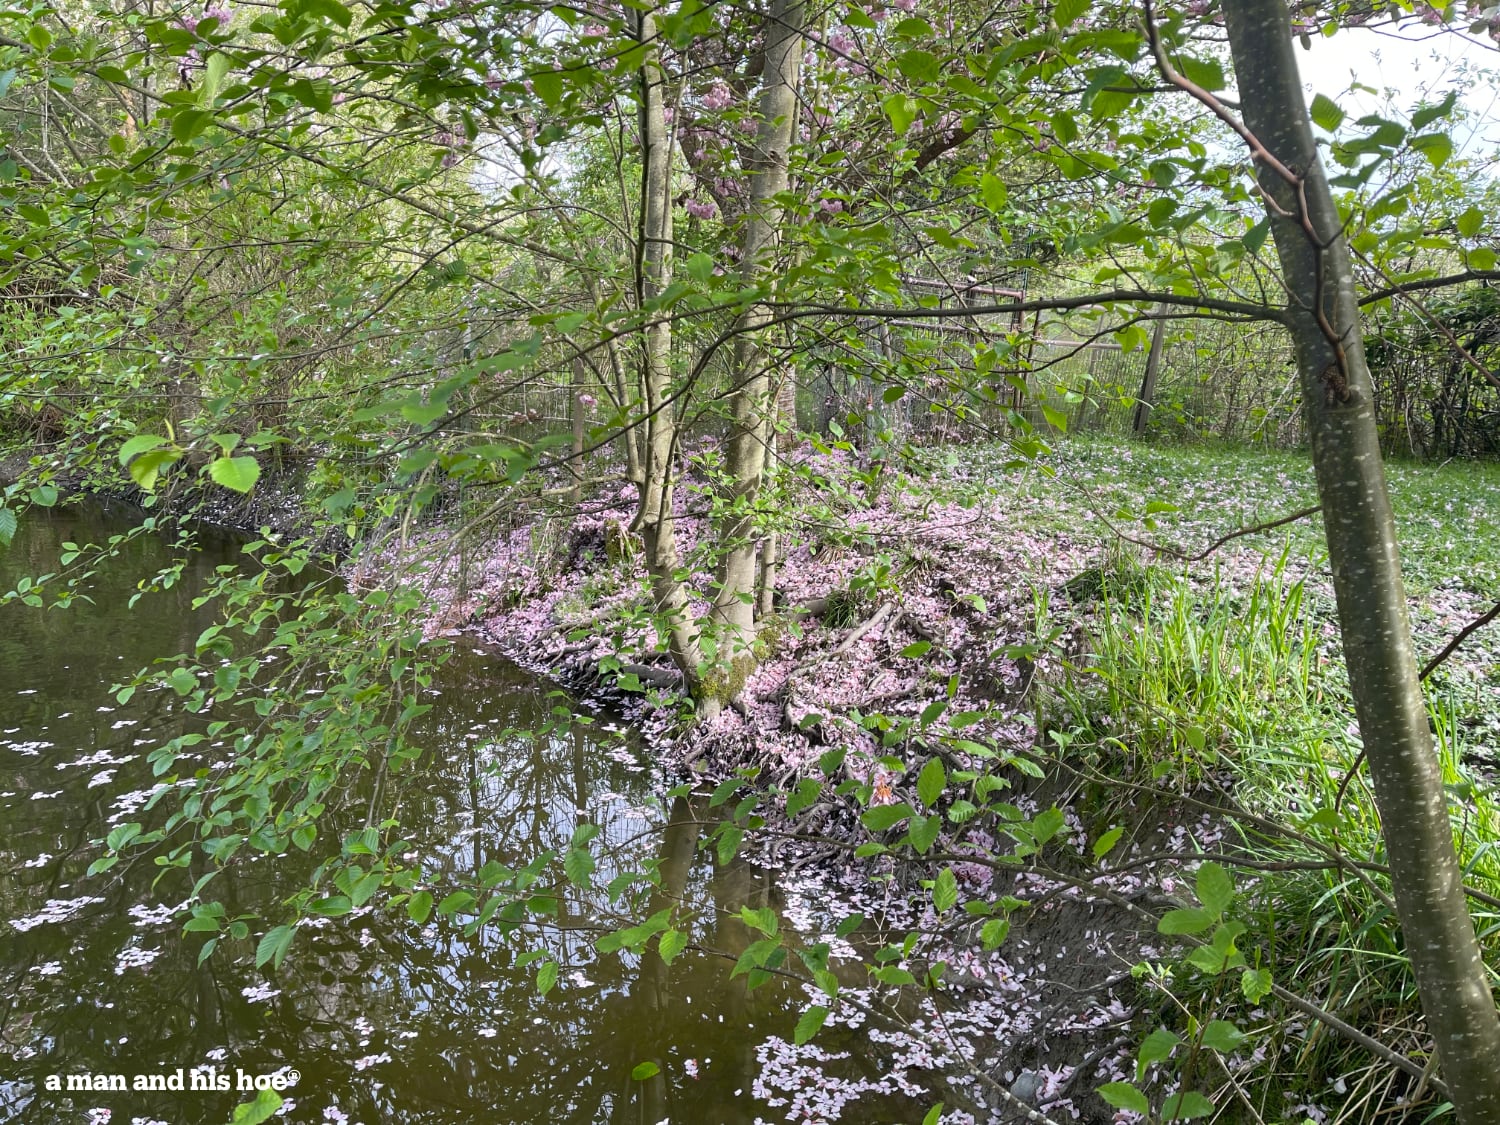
(1220, 684)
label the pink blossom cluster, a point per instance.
(219, 13)
(718, 97)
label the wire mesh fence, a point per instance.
(971, 378)
(966, 383)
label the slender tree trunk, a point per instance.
(630, 440)
(575, 462)
(784, 420)
(1338, 399)
(749, 443)
(1146, 400)
(654, 519)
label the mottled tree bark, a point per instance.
(1338, 397)
(753, 406)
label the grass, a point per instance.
(1447, 515)
(1231, 670)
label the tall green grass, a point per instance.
(1189, 680)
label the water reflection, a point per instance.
(380, 1020)
(383, 1021)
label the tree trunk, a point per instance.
(654, 519)
(1338, 400)
(575, 461)
(749, 443)
(1146, 400)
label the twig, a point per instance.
(1448, 650)
(1459, 638)
(1374, 1046)
(1177, 553)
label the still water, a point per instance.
(381, 1020)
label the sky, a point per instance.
(1416, 62)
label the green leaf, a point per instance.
(918, 65)
(121, 836)
(993, 191)
(645, 1070)
(456, 903)
(882, 817)
(670, 944)
(1428, 114)
(700, 267)
(263, 1108)
(806, 793)
(923, 832)
(729, 843)
(188, 123)
(760, 918)
(993, 933)
(1470, 222)
(1215, 888)
(237, 473)
(273, 947)
(1183, 1106)
(8, 525)
(548, 85)
(214, 71)
(331, 10)
(364, 890)
(578, 865)
(1156, 1047)
(1480, 258)
(1048, 824)
(944, 891)
(314, 93)
(43, 496)
(1067, 11)
(1436, 147)
(931, 782)
(1185, 921)
(1325, 113)
(1255, 984)
(1255, 237)
(1210, 959)
(1221, 1035)
(1122, 1095)
(916, 649)
(546, 977)
(1106, 843)
(934, 1115)
(419, 907)
(809, 1024)
(902, 111)
(182, 681)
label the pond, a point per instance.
(371, 1018)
